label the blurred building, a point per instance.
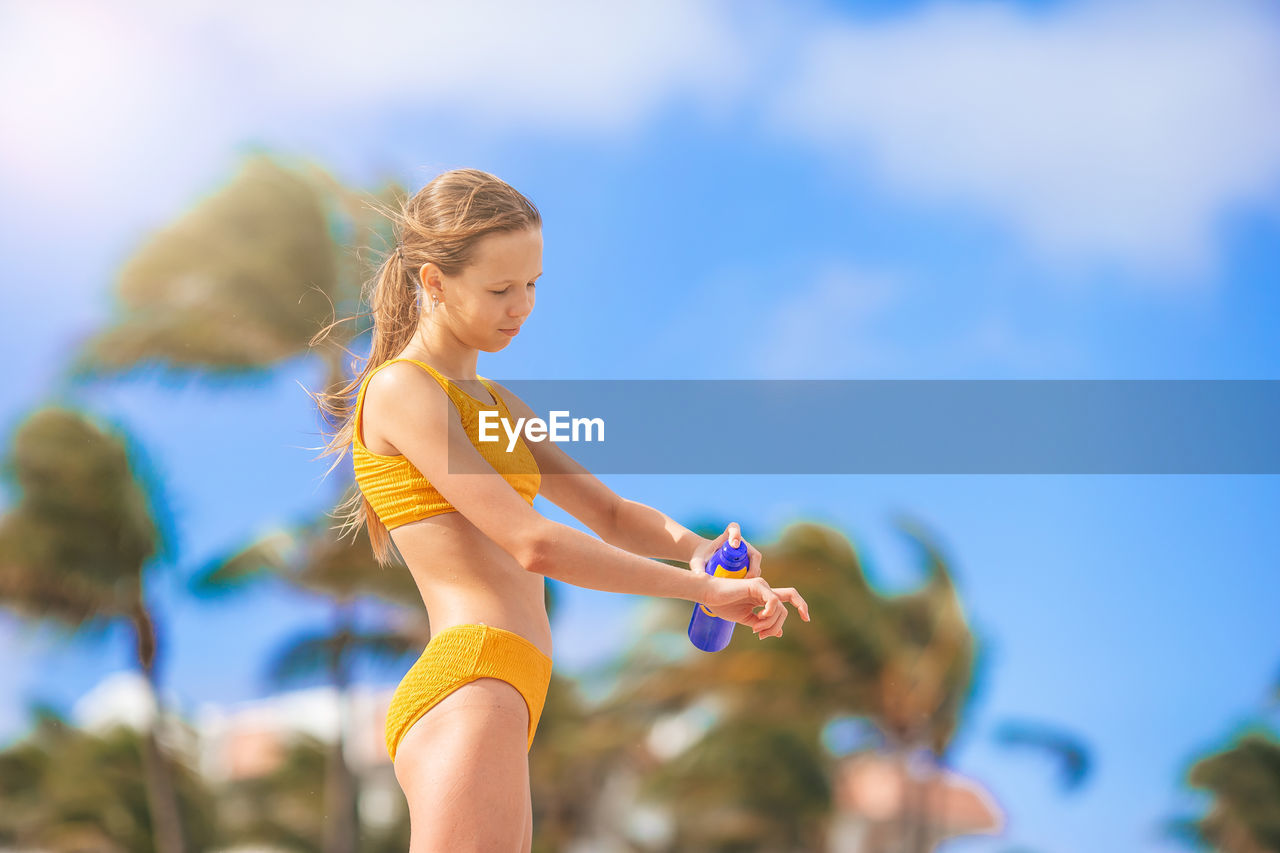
(249, 739)
(888, 802)
(884, 802)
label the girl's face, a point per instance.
(486, 304)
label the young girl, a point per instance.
(459, 511)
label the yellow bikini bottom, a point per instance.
(458, 655)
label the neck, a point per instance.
(434, 343)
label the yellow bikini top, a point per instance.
(399, 493)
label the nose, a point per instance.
(523, 308)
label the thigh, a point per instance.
(464, 768)
(527, 846)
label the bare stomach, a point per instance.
(465, 577)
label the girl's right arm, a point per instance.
(423, 424)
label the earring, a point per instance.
(434, 303)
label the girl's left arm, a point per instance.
(625, 524)
(648, 532)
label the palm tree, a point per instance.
(759, 778)
(310, 558)
(244, 280)
(1245, 782)
(240, 283)
(580, 748)
(1072, 756)
(284, 809)
(572, 759)
(74, 551)
(66, 791)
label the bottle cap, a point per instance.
(734, 556)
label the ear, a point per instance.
(429, 278)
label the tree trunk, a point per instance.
(162, 795)
(342, 821)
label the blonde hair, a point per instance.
(442, 224)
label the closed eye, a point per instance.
(505, 289)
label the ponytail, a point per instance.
(442, 224)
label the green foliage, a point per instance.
(1071, 754)
(73, 547)
(246, 278)
(63, 789)
(309, 557)
(1245, 781)
(759, 778)
(311, 653)
(571, 758)
(750, 784)
(241, 281)
(284, 807)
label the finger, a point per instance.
(733, 533)
(700, 560)
(797, 601)
(753, 570)
(773, 627)
(773, 606)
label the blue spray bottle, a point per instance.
(707, 631)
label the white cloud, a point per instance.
(995, 342)
(90, 87)
(828, 331)
(121, 698)
(1107, 130)
(127, 111)
(849, 325)
(574, 64)
(78, 87)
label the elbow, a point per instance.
(608, 531)
(533, 552)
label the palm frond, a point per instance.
(309, 654)
(267, 556)
(241, 281)
(1070, 753)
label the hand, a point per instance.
(698, 562)
(735, 599)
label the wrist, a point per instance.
(689, 544)
(694, 587)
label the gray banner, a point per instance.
(909, 426)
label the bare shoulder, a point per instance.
(420, 421)
(400, 377)
(396, 392)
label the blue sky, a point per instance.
(927, 190)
